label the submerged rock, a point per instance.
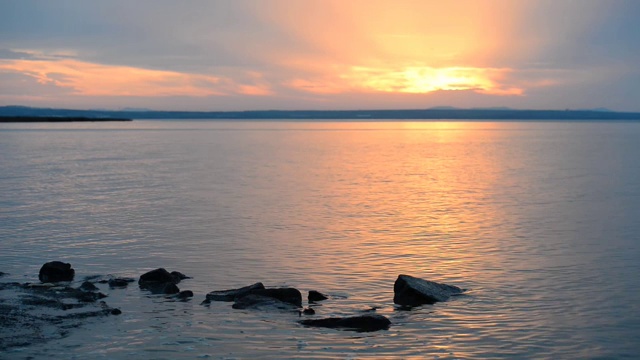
(185, 294)
(232, 294)
(261, 302)
(307, 311)
(55, 271)
(362, 323)
(88, 286)
(316, 296)
(119, 282)
(412, 291)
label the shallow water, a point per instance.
(538, 220)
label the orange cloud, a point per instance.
(89, 79)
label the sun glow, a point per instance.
(422, 79)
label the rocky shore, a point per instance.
(52, 308)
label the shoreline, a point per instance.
(55, 119)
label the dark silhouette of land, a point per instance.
(55, 119)
(440, 113)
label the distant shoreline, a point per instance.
(55, 119)
(58, 115)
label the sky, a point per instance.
(220, 55)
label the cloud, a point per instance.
(88, 79)
(314, 51)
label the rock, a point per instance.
(170, 289)
(116, 311)
(260, 302)
(288, 295)
(160, 281)
(412, 291)
(2, 274)
(362, 323)
(177, 275)
(156, 276)
(232, 294)
(185, 294)
(118, 282)
(55, 271)
(308, 311)
(88, 286)
(316, 296)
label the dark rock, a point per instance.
(55, 271)
(159, 281)
(170, 289)
(2, 274)
(118, 283)
(178, 276)
(185, 294)
(412, 291)
(88, 286)
(288, 295)
(232, 294)
(363, 323)
(316, 296)
(154, 277)
(116, 311)
(259, 302)
(308, 311)
(35, 313)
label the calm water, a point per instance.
(540, 221)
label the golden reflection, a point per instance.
(413, 196)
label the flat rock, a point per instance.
(362, 323)
(55, 271)
(412, 291)
(259, 302)
(119, 282)
(232, 294)
(316, 296)
(288, 295)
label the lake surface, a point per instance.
(538, 220)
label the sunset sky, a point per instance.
(320, 54)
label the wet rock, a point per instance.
(287, 295)
(170, 289)
(308, 311)
(119, 282)
(412, 291)
(55, 271)
(177, 275)
(2, 274)
(232, 294)
(116, 311)
(362, 323)
(88, 286)
(156, 276)
(185, 294)
(316, 296)
(260, 302)
(160, 281)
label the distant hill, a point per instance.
(440, 113)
